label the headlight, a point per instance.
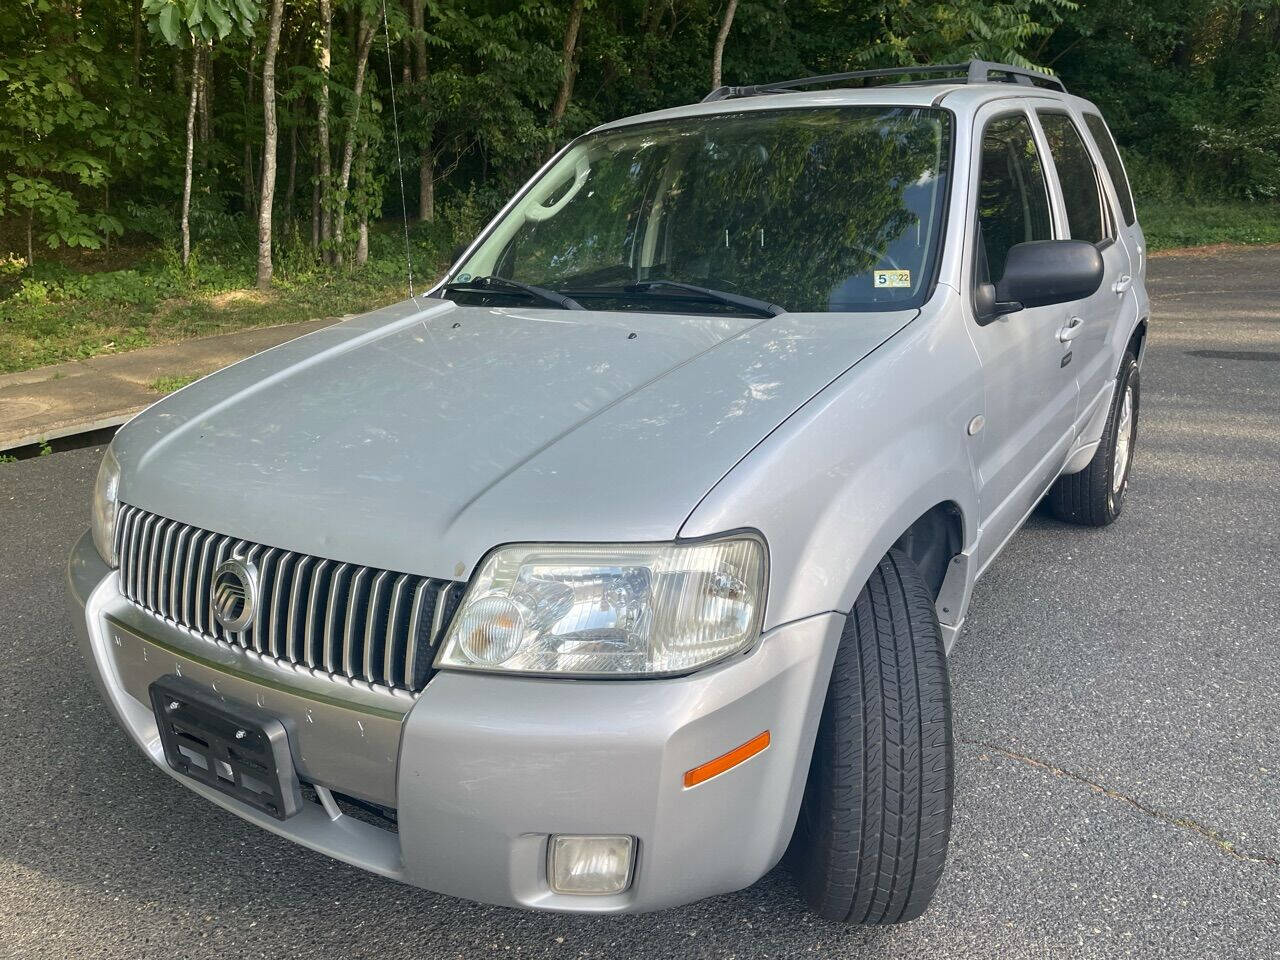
(609, 610)
(105, 508)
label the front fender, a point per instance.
(838, 482)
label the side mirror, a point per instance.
(1043, 272)
(456, 253)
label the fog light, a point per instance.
(590, 865)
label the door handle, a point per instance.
(1072, 330)
(1121, 285)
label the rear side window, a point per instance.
(1013, 197)
(1111, 160)
(1079, 180)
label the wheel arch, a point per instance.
(1138, 339)
(932, 540)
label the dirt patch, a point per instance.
(235, 298)
(1211, 249)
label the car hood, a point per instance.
(417, 437)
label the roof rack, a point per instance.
(972, 71)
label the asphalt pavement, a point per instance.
(1118, 725)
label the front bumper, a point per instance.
(482, 769)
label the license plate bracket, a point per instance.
(235, 748)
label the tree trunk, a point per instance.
(191, 149)
(204, 112)
(568, 69)
(363, 43)
(137, 43)
(426, 163)
(250, 176)
(291, 185)
(362, 174)
(269, 137)
(362, 240)
(654, 9)
(322, 126)
(1245, 30)
(315, 209)
(717, 54)
(31, 254)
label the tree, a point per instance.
(98, 135)
(426, 161)
(189, 167)
(68, 116)
(265, 204)
(568, 67)
(323, 156)
(198, 23)
(717, 54)
(364, 41)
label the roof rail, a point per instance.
(971, 71)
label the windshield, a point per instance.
(829, 209)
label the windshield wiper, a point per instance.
(488, 284)
(721, 296)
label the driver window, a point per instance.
(1013, 195)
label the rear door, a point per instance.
(1134, 291)
(1029, 392)
(1088, 215)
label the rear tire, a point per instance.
(872, 836)
(1094, 497)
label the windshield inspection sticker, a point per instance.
(893, 278)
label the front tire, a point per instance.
(874, 825)
(1094, 497)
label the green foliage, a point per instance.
(179, 21)
(84, 315)
(1191, 91)
(92, 131)
(1170, 225)
(68, 123)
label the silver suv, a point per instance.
(627, 561)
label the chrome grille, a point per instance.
(338, 618)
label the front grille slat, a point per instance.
(177, 557)
(313, 633)
(423, 597)
(146, 531)
(293, 637)
(189, 572)
(353, 635)
(343, 619)
(264, 626)
(335, 613)
(397, 620)
(158, 535)
(353, 622)
(375, 625)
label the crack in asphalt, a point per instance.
(1215, 837)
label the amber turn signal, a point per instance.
(727, 761)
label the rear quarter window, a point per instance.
(1111, 160)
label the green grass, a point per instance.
(139, 296)
(1171, 225)
(170, 384)
(68, 311)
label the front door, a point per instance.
(1030, 389)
